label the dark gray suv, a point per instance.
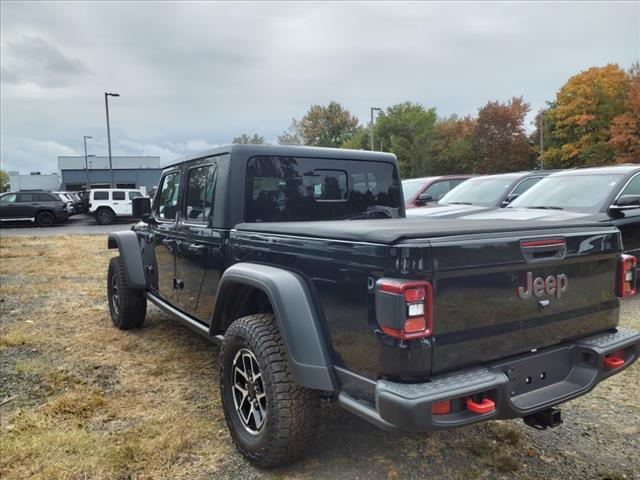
(43, 208)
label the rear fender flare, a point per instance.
(296, 316)
(128, 245)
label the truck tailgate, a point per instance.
(497, 296)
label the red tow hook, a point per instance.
(613, 361)
(486, 406)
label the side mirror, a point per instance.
(510, 198)
(141, 208)
(423, 199)
(626, 202)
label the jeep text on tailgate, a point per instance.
(410, 324)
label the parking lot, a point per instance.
(80, 399)
(80, 224)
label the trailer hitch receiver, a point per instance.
(548, 418)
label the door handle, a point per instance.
(197, 249)
(115, 203)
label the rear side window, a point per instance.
(101, 195)
(43, 197)
(633, 187)
(198, 203)
(117, 195)
(281, 189)
(167, 198)
(25, 197)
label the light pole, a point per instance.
(106, 107)
(372, 110)
(86, 163)
(541, 139)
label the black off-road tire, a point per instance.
(130, 308)
(45, 219)
(292, 412)
(105, 216)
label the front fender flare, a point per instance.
(296, 315)
(128, 245)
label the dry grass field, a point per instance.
(82, 400)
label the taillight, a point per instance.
(404, 309)
(627, 276)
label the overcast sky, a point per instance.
(194, 75)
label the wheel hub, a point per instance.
(249, 397)
(115, 296)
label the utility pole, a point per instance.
(86, 163)
(106, 107)
(541, 139)
(372, 110)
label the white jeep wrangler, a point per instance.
(106, 204)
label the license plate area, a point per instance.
(538, 370)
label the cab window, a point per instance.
(167, 203)
(281, 189)
(134, 194)
(119, 195)
(199, 198)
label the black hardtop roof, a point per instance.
(390, 231)
(248, 151)
(604, 170)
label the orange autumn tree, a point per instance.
(582, 115)
(625, 128)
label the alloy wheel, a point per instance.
(249, 397)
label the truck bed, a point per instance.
(393, 230)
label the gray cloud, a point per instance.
(196, 74)
(34, 60)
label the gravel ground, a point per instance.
(79, 399)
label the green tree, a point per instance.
(451, 147)
(405, 130)
(500, 143)
(327, 126)
(582, 116)
(245, 139)
(361, 140)
(5, 184)
(291, 136)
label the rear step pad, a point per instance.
(608, 341)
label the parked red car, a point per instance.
(421, 192)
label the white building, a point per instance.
(34, 181)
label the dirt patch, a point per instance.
(79, 399)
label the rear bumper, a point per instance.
(518, 386)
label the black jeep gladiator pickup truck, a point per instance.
(409, 324)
